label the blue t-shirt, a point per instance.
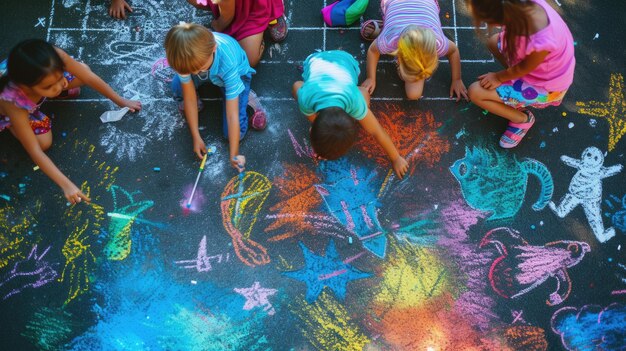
(229, 64)
(330, 80)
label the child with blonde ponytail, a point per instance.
(411, 31)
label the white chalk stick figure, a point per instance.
(585, 189)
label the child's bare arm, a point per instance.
(456, 87)
(373, 55)
(20, 127)
(84, 73)
(294, 91)
(191, 115)
(526, 66)
(232, 118)
(371, 125)
(227, 13)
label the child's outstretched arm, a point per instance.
(456, 87)
(86, 76)
(232, 119)
(373, 55)
(191, 115)
(20, 127)
(371, 125)
(493, 80)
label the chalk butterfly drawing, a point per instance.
(493, 182)
(585, 189)
(521, 268)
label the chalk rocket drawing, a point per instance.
(585, 189)
(242, 200)
(521, 268)
(350, 196)
(120, 222)
(493, 182)
(32, 272)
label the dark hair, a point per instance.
(509, 13)
(333, 133)
(30, 61)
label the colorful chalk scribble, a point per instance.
(614, 110)
(14, 229)
(32, 272)
(493, 182)
(121, 220)
(242, 200)
(522, 267)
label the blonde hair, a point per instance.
(417, 52)
(188, 47)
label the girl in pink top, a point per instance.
(537, 49)
(246, 20)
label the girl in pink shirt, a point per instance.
(537, 50)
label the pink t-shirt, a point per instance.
(556, 72)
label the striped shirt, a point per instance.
(398, 14)
(229, 64)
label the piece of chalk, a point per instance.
(485, 112)
(35, 168)
(564, 114)
(6, 197)
(156, 169)
(194, 282)
(349, 240)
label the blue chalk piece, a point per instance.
(575, 43)
(21, 185)
(64, 134)
(156, 169)
(6, 197)
(532, 227)
(349, 240)
(542, 145)
(610, 259)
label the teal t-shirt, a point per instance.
(330, 80)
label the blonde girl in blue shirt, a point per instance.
(200, 56)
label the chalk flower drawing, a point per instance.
(492, 182)
(613, 110)
(522, 267)
(585, 189)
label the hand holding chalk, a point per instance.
(239, 162)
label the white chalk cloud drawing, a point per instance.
(585, 189)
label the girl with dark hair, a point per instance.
(34, 71)
(537, 50)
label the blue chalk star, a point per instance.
(329, 270)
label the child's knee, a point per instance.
(45, 141)
(475, 91)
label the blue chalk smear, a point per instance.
(6, 197)
(156, 169)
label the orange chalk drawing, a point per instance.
(526, 337)
(241, 203)
(298, 198)
(613, 110)
(415, 137)
(327, 324)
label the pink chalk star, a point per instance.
(257, 296)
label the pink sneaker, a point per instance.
(258, 121)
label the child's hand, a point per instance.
(118, 9)
(489, 81)
(199, 147)
(73, 194)
(239, 162)
(400, 166)
(133, 105)
(370, 85)
(458, 88)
